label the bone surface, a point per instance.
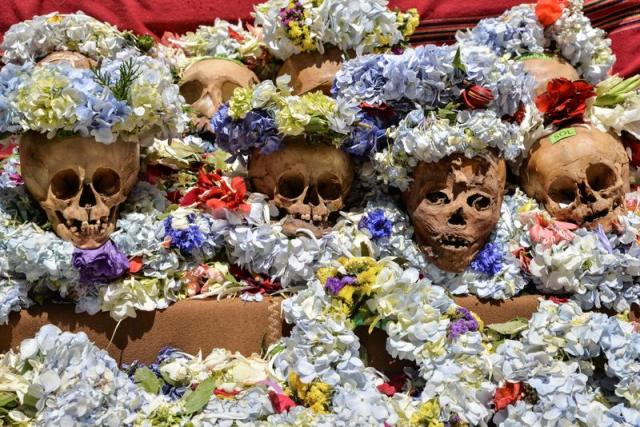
(454, 205)
(80, 183)
(311, 71)
(581, 179)
(544, 70)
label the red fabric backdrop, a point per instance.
(439, 18)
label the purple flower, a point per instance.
(335, 284)
(376, 223)
(186, 239)
(239, 137)
(603, 239)
(100, 265)
(461, 323)
(489, 260)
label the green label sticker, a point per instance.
(562, 134)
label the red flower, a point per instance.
(477, 96)
(225, 394)
(235, 35)
(634, 145)
(558, 300)
(564, 101)
(280, 402)
(383, 111)
(259, 283)
(523, 257)
(387, 389)
(135, 264)
(6, 150)
(506, 395)
(548, 231)
(548, 11)
(213, 193)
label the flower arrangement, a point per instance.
(553, 25)
(32, 40)
(291, 27)
(260, 117)
(442, 100)
(132, 97)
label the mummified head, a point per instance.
(454, 205)
(80, 183)
(580, 179)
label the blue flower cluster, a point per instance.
(258, 129)
(188, 239)
(377, 224)
(488, 260)
(167, 353)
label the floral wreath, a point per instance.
(433, 101)
(129, 96)
(529, 30)
(32, 40)
(294, 26)
(260, 117)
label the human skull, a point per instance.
(311, 71)
(209, 83)
(543, 70)
(454, 204)
(80, 183)
(308, 181)
(75, 59)
(580, 179)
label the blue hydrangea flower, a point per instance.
(376, 223)
(489, 260)
(187, 239)
(258, 129)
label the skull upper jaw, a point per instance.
(454, 205)
(91, 236)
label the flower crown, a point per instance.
(530, 30)
(294, 26)
(132, 97)
(220, 40)
(34, 39)
(442, 100)
(260, 117)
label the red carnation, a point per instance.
(506, 395)
(548, 11)
(565, 101)
(280, 402)
(559, 300)
(214, 194)
(477, 96)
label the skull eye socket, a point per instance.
(562, 190)
(291, 185)
(329, 187)
(106, 181)
(191, 91)
(600, 177)
(227, 90)
(479, 201)
(65, 184)
(437, 198)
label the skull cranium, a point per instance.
(544, 70)
(75, 59)
(308, 181)
(79, 182)
(208, 83)
(311, 71)
(454, 204)
(580, 179)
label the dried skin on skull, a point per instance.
(581, 179)
(80, 183)
(209, 83)
(544, 70)
(309, 181)
(311, 71)
(454, 205)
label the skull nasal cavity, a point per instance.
(457, 218)
(87, 198)
(586, 196)
(65, 184)
(600, 176)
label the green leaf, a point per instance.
(512, 327)
(197, 400)
(146, 379)
(364, 249)
(457, 62)
(8, 400)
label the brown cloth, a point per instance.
(201, 325)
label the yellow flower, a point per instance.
(367, 279)
(356, 265)
(240, 102)
(346, 294)
(410, 22)
(294, 30)
(55, 19)
(428, 415)
(325, 272)
(316, 396)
